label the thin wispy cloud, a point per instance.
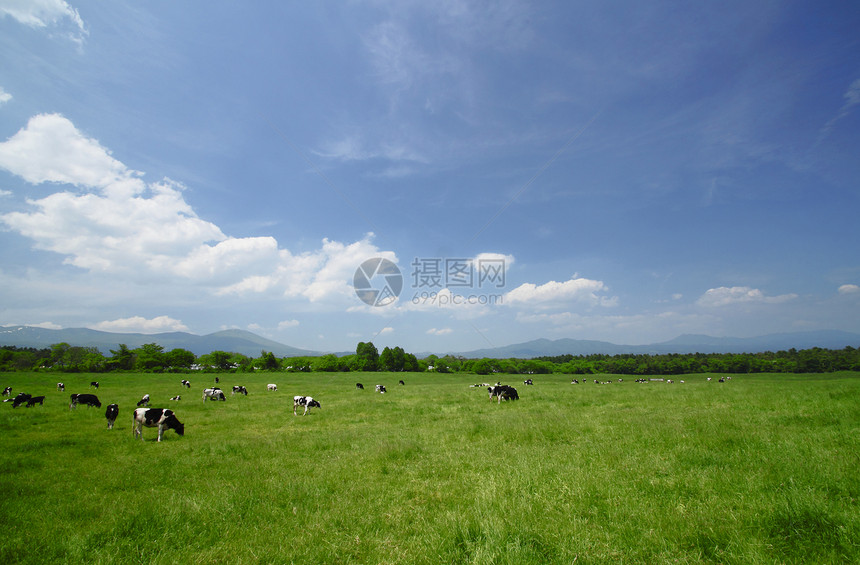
(50, 15)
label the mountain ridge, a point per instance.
(685, 343)
(234, 340)
(251, 344)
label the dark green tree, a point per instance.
(180, 358)
(368, 356)
(122, 360)
(150, 357)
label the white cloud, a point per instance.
(287, 324)
(4, 96)
(5, 192)
(139, 324)
(40, 14)
(116, 224)
(47, 325)
(51, 149)
(439, 331)
(724, 296)
(849, 289)
(579, 289)
(386, 330)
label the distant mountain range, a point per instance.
(687, 343)
(234, 341)
(250, 344)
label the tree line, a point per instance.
(152, 357)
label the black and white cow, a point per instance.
(161, 418)
(528, 382)
(111, 413)
(305, 401)
(144, 401)
(7, 391)
(20, 399)
(186, 384)
(271, 386)
(33, 400)
(88, 399)
(401, 382)
(61, 387)
(380, 389)
(503, 392)
(94, 384)
(359, 386)
(239, 389)
(213, 394)
(177, 398)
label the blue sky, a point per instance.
(640, 169)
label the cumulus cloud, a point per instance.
(117, 224)
(139, 324)
(386, 330)
(4, 96)
(51, 149)
(724, 296)
(849, 289)
(41, 14)
(581, 290)
(439, 331)
(287, 324)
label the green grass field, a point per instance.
(761, 469)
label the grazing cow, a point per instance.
(217, 380)
(162, 418)
(111, 413)
(88, 399)
(33, 400)
(503, 392)
(213, 394)
(94, 384)
(7, 391)
(186, 384)
(380, 389)
(271, 386)
(240, 389)
(144, 401)
(528, 382)
(177, 397)
(722, 380)
(20, 399)
(401, 382)
(61, 387)
(359, 386)
(305, 401)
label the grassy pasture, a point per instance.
(761, 469)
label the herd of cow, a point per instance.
(165, 419)
(143, 416)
